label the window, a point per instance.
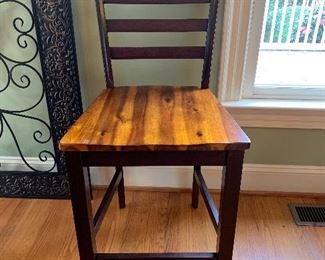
(272, 64)
(289, 62)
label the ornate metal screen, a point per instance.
(45, 29)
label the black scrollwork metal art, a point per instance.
(54, 48)
(17, 74)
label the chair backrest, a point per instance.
(157, 25)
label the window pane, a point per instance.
(292, 50)
(290, 68)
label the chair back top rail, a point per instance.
(157, 25)
(153, 2)
(122, 53)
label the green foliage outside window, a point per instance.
(298, 28)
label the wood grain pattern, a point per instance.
(161, 221)
(155, 118)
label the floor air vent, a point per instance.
(308, 215)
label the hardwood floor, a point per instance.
(158, 222)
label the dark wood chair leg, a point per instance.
(81, 206)
(229, 198)
(121, 191)
(90, 186)
(195, 191)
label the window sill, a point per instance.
(299, 114)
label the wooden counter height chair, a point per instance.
(155, 125)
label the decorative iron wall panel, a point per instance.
(54, 47)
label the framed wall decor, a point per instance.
(44, 31)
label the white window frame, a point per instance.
(251, 90)
(236, 72)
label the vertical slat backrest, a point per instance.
(157, 25)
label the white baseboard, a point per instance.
(13, 163)
(256, 177)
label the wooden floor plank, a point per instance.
(158, 222)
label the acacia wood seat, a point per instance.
(155, 118)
